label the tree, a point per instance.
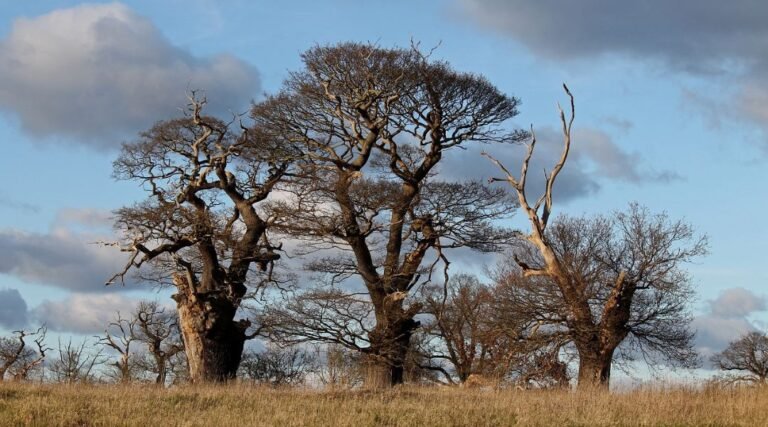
(470, 334)
(201, 228)
(612, 278)
(118, 337)
(749, 355)
(75, 364)
(342, 367)
(159, 331)
(277, 366)
(17, 359)
(459, 331)
(373, 124)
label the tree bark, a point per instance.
(594, 367)
(390, 342)
(213, 340)
(161, 372)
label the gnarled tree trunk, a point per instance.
(213, 340)
(594, 366)
(390, 342)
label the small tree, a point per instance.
(277, 366)
(159, 331)
(747, 355)
(118, 337)
(471, 333)
(76, 364)
(458, 331)
(338, 367)
(17, 358)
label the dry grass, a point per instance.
(238, 405)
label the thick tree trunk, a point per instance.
(390, 342)
(161, 372)
(213, 341)
(385, 370)
(594, 367)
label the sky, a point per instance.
(671, 105)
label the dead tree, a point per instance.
(159, 332)
(17, 358)
(118, 337)
(615, 277)
(76, 364)
(747, 356)
(201, 229)
(373, 124)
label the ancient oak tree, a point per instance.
(608, 280)
(201, 229)
(373, 125)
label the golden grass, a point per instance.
(240, 405)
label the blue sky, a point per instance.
(670, 113)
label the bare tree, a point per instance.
(159, 331)
(747, 355)
(471, 333)
(118, 337)
(615, 277)
(17, 358)
(201, 229)
(338, 367)
(459, 330)
(76, 364)
(373, 124)
(277, 366)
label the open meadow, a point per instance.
(239, 405)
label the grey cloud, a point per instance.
(13, 309)
(65, 256)
(694, 35)
(705, 38)
(594, 158)
(726, 319)
(82, 313)
(100, 72)
(736, 303)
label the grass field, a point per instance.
(239, 405)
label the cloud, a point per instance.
(726, 319)
(13, 309)
(82, 313)
(63, 257)
(737, 303)
(725, 42)
(96, 73)
(13, 204)
(594, 159)
(694, 35)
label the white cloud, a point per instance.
(99, 72)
